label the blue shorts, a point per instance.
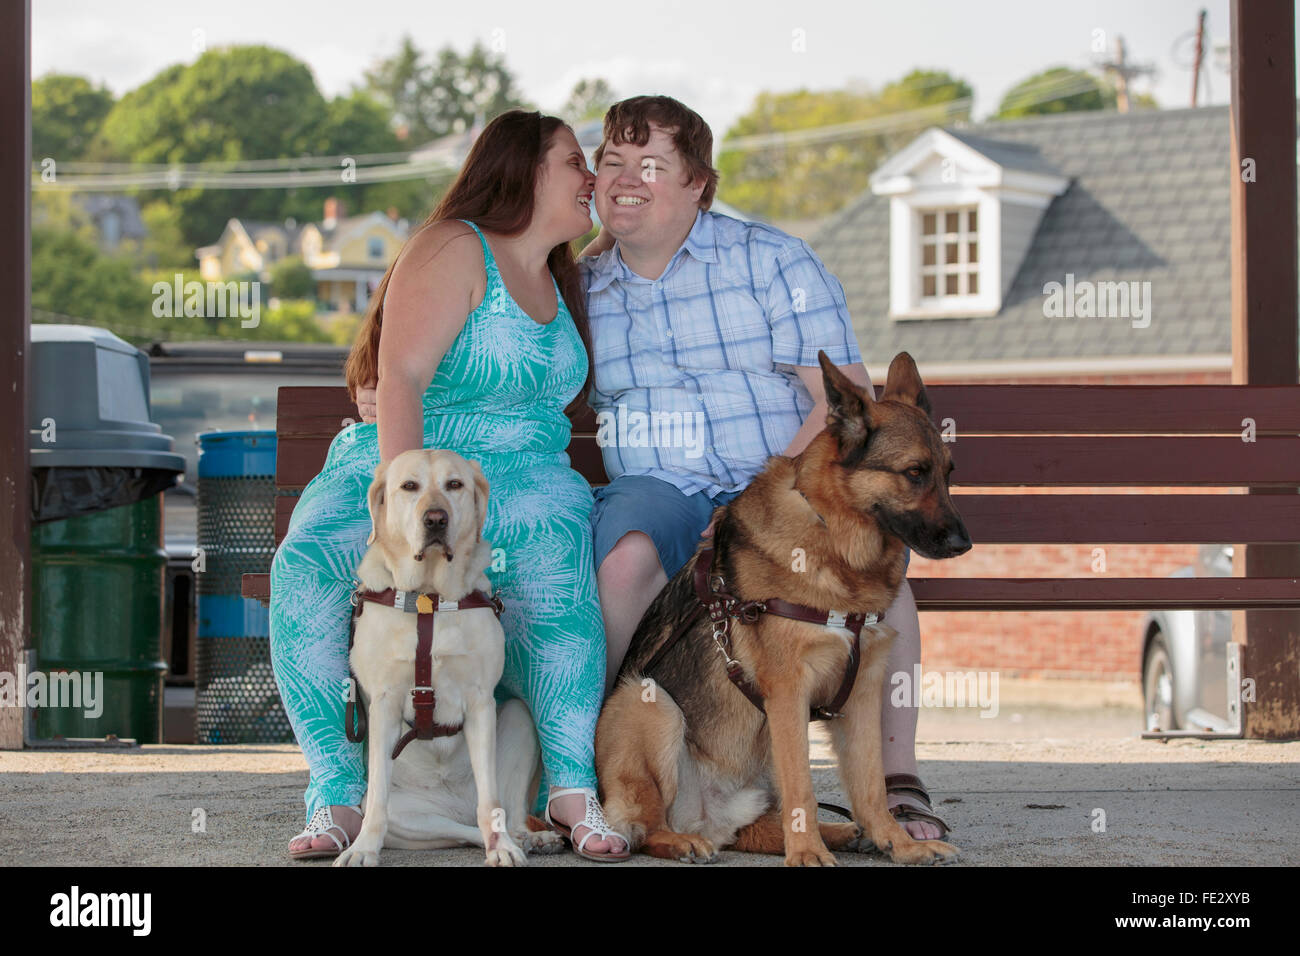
(671, 519)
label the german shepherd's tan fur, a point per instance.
(687, 765)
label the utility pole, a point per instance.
(1200, 52)
(1123, 71)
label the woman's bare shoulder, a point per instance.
(447, 240)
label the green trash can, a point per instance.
(98, 564)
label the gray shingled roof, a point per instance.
(1148, 201)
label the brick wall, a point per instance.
(1105, 645)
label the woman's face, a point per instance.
(564, 188)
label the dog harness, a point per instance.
(424, 607)
(724, 607)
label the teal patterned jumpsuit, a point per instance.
(497, 397)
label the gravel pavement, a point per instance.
(1028, 786)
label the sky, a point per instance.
(714, 55)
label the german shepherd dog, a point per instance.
(687, 764)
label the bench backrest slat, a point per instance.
(1035, 454)
(1130, 518)
(1116, 409)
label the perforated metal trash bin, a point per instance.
(236, 698)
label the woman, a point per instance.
(484, 343)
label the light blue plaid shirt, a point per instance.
(694, 379)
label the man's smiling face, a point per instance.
(641, 196)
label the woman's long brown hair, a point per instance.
(495, 190)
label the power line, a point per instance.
(178, 178)
(298, 172)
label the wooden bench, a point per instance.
(1041, 436)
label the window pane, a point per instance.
(927, 285)
(927, 224)
(973, 283)
(927, 254)
(972, 254)
(950, 222)
(950, 252)
(950, 284)
(971, 224)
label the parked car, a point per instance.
(1184, 657)
(204, 386)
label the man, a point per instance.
(698, 315)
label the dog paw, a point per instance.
(505, 853)
(924, 851)
(540, 842)
(356, 855)
(810, 857)
(682, 847)
(696, 849)
(843, 836)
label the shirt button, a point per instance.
(709, 449)
(670, 333)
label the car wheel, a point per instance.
(1158, 687)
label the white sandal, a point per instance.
(322, 823)
(596, 824)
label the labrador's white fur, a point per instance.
(441, 792)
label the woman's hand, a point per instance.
(602, 243)
(367, 402)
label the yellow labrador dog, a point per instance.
(428, 509)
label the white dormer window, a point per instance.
(949, 239)
(962, 212)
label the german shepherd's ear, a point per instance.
(480, 498)
(848, 412)
(375, 498)
(903, 383)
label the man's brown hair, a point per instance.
(629, 122)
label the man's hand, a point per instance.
(367, 403)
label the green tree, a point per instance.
(66, 114)
(71, 277)
(231, 104)
(165, 246)
(434, 99)
(589, 100)
(291, 278)
(1058, 90)
(355, 125)
(291, 321)
(789, 175)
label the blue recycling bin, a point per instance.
(236, 697)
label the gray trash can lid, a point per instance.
(89, 403)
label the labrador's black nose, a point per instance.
(435, 519)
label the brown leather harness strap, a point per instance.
(723, 608)
(424, 700)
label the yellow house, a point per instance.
(348, 255)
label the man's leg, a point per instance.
(898, 724)
(644, 530)
(628, 580)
